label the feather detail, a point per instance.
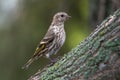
(53, 40)
(39, 49)
(28, 63)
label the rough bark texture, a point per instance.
(96, 58)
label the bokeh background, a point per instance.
(23, 23)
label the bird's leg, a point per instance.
(52, 61)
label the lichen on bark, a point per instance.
(95, 58)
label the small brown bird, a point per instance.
(53, 40)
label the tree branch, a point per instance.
(96, 58)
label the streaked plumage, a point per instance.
(53, 40)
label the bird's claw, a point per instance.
(53, 61)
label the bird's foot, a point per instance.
(53, 61)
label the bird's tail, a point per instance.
(28, 63)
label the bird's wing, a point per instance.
(44, 44)
(42, 48)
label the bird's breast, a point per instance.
(59, 39)
(60, 34)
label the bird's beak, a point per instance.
(68, 17)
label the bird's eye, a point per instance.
(62, 15)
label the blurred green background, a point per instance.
(23, 23)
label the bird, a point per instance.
(53, 39)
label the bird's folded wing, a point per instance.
(44, 45)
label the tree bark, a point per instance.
(96, 58)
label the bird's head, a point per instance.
(61, 17)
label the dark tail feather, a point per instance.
(28, 63)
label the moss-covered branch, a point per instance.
(96, 58)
